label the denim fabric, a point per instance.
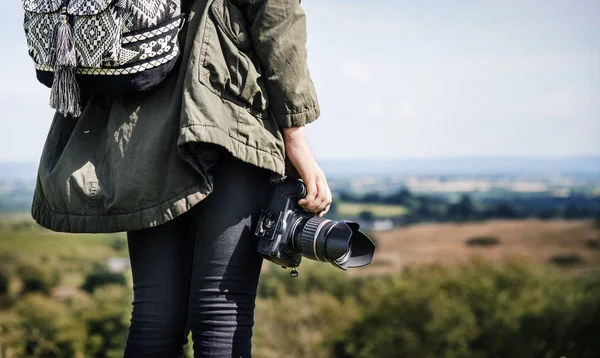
(200, 271)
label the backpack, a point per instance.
(101, 46)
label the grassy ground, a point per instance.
(296, 325)
(380, 211)
(26, 239)
(71, 254)
(572, 244)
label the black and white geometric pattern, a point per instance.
(148, 13)
(95, 38)
(42, 7)
(112, 37)
(151, 33)
(118, 71)
(40, 30)
(87, 7)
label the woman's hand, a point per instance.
(318, 196)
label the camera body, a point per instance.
(287, 233)
(277, 222)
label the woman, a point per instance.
(185, 169)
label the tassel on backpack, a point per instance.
(101, 46)
(64, 96)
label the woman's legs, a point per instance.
(226, 265)
(161, 265)
(200, 271)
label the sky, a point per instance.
(406, 79)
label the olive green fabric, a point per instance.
(130, 162)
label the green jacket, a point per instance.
(127, 163)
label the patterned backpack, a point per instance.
(101, 46)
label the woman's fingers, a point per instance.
(322, 213)
(324, 195)
(318, 194)
(308, 201)
(318, 197)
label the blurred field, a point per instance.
(533, 241)
(485, 289)
(577, 243)
(380, 211)
(27, 239)
(72, 254)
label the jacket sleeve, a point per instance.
(278, 30)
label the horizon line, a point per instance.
(456, 157)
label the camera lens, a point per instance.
(340, 243)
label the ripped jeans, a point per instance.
(200, 271)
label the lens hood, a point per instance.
(361, 247)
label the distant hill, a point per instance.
(25, 171)
(444, 166)
(447, 244)
(464, 166)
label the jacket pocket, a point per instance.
(229, 66)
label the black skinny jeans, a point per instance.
(200, 272)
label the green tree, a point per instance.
(107, 323)
(4, 281)
(5, 299)
(118, 243)
(333, 210)
(463, 210)
(366, 215)
(548, 213)
(573, 211)
(373, 198)
(476, 311)
(300, 326)
(36, 279)
(103, 277)
(505, 211)
(402, 197)
(39, 327)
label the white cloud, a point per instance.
(503, 77)
(561, 104)
(374, 106)
(404, 109)
(357, 71)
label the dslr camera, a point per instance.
(287, 233)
